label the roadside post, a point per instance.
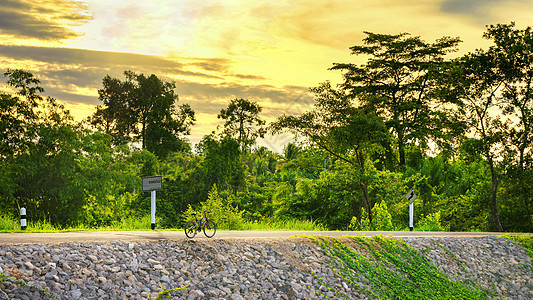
(411, 196)
(23, 223)
(152, 184)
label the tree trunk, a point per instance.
(143, 134)
(363, 185)
(523, 189)
(401, 151)
(495, 216)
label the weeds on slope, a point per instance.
(525, 240)
(390, 269)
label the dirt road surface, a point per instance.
(134, 236)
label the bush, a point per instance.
(431, 222)
(381, 220)
(7, 223)
(222, 211)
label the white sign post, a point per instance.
(23, 224)
(152, 184)
(411, 196)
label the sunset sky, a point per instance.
(270, 52)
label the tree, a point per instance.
(397, 83)
(222, 165)
(291, 151)
(243, 122)
(513, 55)
(43, 145)
(18, 111)
(336, 125)
(143, 109)
(474, 80)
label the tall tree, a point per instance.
(475, 81)
(18, 111)
(336, 125)
(243, 122)
(513, 53)
(143, 109)
(222, 165)
(396, 83)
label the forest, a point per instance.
(455, 129)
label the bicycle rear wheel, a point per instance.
(190, 229)
(210, 228)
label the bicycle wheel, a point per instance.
(190, 229)
(210, 228)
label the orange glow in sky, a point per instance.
(270, 52)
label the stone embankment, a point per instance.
(283, 268)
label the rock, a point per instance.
(76, 294)
(291, 268)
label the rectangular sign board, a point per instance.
(152, 183)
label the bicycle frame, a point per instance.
(200, 223)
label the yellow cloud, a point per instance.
(42, 20)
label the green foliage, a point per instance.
(15, 281)
(365, 144)
(382, 220)
(167, 293)
(526, 240)
(397, 82)
(222, 163)
(393, 270)
(143, 109)
(8, 223)
(221, 211)
(431, 222)
(242, 122)
(280, 224)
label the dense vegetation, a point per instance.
(455, 130)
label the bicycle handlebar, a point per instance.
(205, 211)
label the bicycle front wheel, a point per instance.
(190, 229)
(210, 228)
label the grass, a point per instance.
(129, 224)
(144, 223)
(292, 224)
(392, 270)
(8, 224)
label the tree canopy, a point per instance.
(456, 130)
(142, 109)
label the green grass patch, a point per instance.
(127, 224)
(390, 269)
(134, 223)
(8, 224)
(278, 224)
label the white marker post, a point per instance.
(23, 223)
(411, 213)
(152, 184)
(411, 196)
(152, 209)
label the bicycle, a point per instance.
(194, 226)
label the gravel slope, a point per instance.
(281, 268)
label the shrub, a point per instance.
(432, 222)
(222, 211)
(8, 223)
(381, 221)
